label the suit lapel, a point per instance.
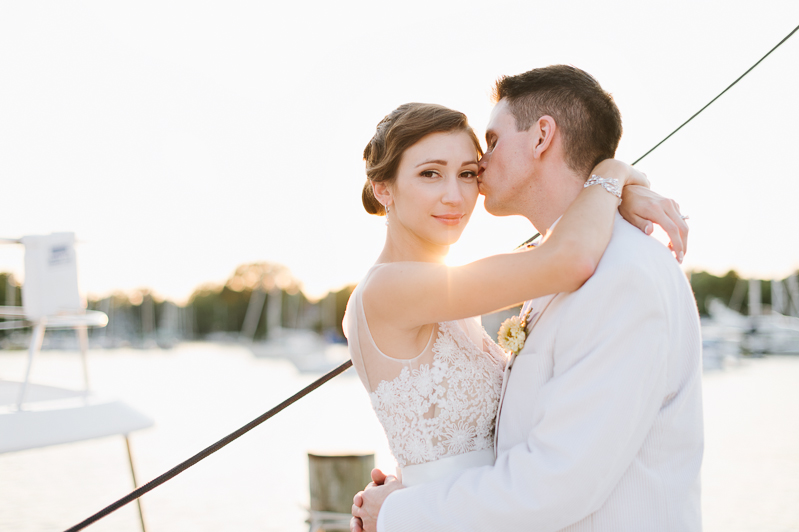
(534, 309)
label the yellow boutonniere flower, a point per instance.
(512, 334)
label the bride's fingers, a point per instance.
(677, 245)
(684, 229)
(378, 477)
(673, 212)
(357, 500)
(356, 525)
(641, 223)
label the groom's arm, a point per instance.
(590, 421)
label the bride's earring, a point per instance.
(387, 215)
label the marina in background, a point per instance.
(233, 351)
(198, 392)
(261, 306)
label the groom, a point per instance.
(600, 422)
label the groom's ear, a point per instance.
(382, 192)
(542, 135)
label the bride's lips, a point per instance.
(449, 219)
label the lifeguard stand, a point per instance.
(51, 300)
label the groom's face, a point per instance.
(507, 166)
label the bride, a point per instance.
(433, 374)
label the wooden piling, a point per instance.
(334, 480)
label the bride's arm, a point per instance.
(411, 294)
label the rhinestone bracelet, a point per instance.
(609, 184)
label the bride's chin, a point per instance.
(439, 237)
(451, 239)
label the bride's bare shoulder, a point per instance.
(391, 292)
(392, 272)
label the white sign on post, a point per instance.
(51, 276)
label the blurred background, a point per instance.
(208, 157)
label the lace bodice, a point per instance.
(441, 403)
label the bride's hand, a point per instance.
(623, 172)
(642, 207)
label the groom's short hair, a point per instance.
(587, 116)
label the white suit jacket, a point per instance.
(600, 422)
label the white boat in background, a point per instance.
(774, 334)
(328, 358)
(309, 351)
(726, 334)
(722, 336)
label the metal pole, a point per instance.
(254, 310)
(11, 292)
(135, 483)
(36, 344)
(793, 289)
(83, 342)
(738, 293)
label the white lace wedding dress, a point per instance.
(437, 409)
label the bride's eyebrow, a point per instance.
(433, 161)
(444, 163)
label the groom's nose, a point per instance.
(481, 166)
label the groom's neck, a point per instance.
(557, 192)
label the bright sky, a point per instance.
(181, 139)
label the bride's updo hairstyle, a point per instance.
(399, 130)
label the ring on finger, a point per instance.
(684, 216)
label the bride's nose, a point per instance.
(452, 193)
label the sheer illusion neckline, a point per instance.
(425, 349)
(439, 404)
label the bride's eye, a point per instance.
(428, 173)
(468, 174)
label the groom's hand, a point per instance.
(366, 504)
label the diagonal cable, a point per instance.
(175, 471)
(717, 97)
(135, 494)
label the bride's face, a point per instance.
(435, 190)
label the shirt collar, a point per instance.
(551, 227)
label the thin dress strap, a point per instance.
(372, 364)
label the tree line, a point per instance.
(730, 288)
(212, 310)
(219, 310)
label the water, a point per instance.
(198, 393)
(750, 474)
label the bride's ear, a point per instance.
(382, 193)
